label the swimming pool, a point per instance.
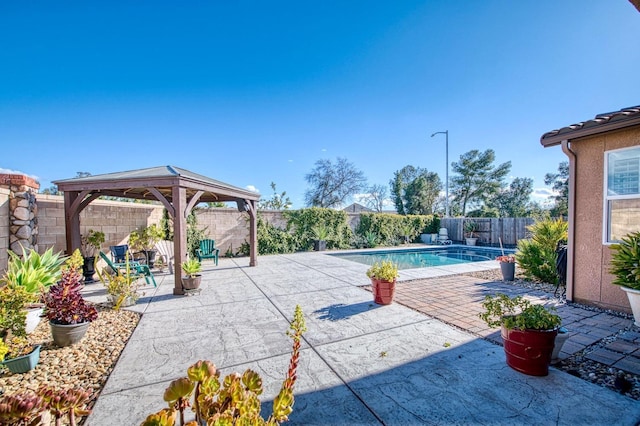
(426, 257)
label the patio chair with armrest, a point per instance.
(135, 268)
(208, 250)
(119, 253)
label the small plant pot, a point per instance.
(383, 291)
(23, 363)
(128, 301)
(33, 319)
(508, 271)
(319, 245)
(471, 241)
(66, 335)
(563, 335)
(191, 283)
(634, 300)
(88, 269)
(529, 351)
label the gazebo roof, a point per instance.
(137, 183)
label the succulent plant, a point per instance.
(232, 400)
(28, 408)
(384, 270)
(33, 271)
(91, 242)
(191, 267)
(63, 303)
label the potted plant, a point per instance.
(528, 331)
(625, 268)
(34, 273)
(191, 267)
(507, 266)
(90, 244)
(16, 353)
(68, 313)
(320, 235)
(383, 281)
(144, 241)
(471, 226)
(122, 287)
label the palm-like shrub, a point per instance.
(536, 256)
(33, 271)
(625, 262)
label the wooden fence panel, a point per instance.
(490, 230)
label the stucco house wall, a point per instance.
(592, 281)
(587, 145)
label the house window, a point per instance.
(622, 198)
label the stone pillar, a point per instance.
(23, 211)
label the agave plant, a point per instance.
(33, 271)
(232, 400)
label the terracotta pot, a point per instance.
(68, 334)
(529, 351)
(191, 283)
(508, 271)
(383, 291)
(23, 363)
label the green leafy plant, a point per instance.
(194, 234)
(64, 304)
(301, 222)
(33, 271)
(518, 313)
(370, 239)
(536, 256)
(13, 316)
(232, 400)
(121, 285)
(146, 238)
(388, 227)
(384, 270)
(191, 267)
(625, 261)
(91, 242)
(320, 232)
(471, 226)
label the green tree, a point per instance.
(514, 201)
(331, 184)
(476, 180)
(276, 202)
(415, 190)
(560, 184)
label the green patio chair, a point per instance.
(135, 268)
(208, 250)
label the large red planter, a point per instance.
(383, 291)
(529, 351)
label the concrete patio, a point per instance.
(361, 363)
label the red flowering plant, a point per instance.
(506, 258)
(63, 303)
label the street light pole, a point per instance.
(446, 183)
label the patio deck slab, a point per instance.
(361, 363)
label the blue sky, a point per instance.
(254, 92)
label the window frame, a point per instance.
(606, 210)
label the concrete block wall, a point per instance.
(116, 219)
(228, 227)
(5, 222)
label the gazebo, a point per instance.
(179, 190)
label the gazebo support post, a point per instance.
(71, 221)
(253, 233)
(179, 196)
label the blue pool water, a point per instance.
(426, 257)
